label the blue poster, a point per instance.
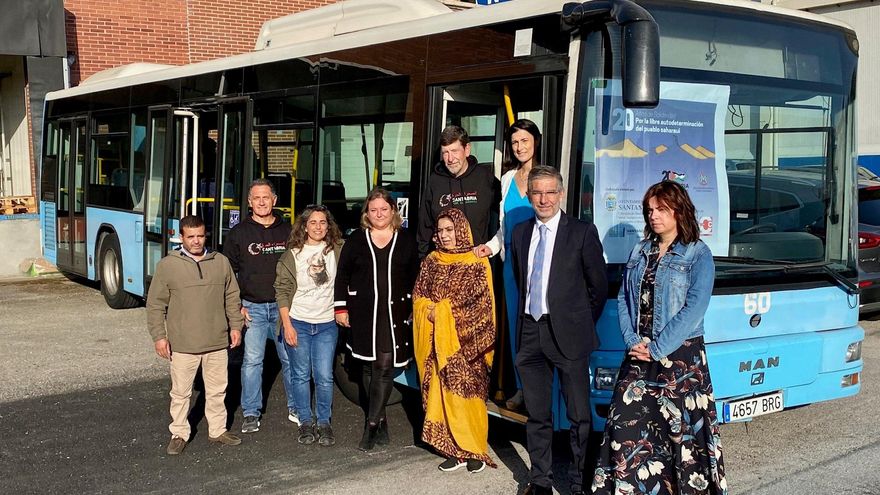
(682, 140)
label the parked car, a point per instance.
(869, 245)
(792, 201)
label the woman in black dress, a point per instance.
(374, 281)
(661, 435)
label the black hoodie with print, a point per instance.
(253, 251)
(475, 192)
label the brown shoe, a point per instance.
(226, 439)
(176, 445)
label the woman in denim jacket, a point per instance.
(662, 432)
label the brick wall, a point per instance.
(233, 28)
(108, 33)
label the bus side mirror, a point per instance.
(641, 64)
(640, 44)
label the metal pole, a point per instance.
(183, 166)
(2, 145)
(195, 164)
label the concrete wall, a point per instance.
(14, 142)
(864, 17)
(19, 242)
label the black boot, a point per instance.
(368, 441)
(382, 437)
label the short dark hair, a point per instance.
(676, 197)
(545, 172)
(191, 222)
(454, 133)
(261, 182)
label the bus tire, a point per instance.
(348, 375)
(111, 275)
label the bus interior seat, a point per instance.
(333, 197)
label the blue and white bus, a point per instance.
(750, 106)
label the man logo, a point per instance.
(760, 364)
(757, 379)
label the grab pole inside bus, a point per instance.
(195, 160)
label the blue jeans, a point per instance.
(264, 318)
(313, 358)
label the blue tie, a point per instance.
(536, 292)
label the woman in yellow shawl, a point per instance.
(454, 333)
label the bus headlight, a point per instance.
(605, 378)
(854, 352)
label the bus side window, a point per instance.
(365, 142)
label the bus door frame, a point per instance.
(554, 83)
(162, 236)
(187, 154)
(553, 86)
(67, 258)
(225, 106)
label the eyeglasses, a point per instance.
(549, 194)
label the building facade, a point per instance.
(863, 16)
(47, 45)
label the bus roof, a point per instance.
(392, 26)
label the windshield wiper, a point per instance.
(747, 260)
(788, 267)
(844, 283)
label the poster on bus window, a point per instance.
(682, 140)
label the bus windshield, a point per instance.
(756, 122)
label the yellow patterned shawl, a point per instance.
(454, 352)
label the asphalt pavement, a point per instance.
(84, 409)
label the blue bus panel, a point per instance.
(129, 227)
(49, 224)
(761, 343)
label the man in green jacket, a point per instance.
(193, 315)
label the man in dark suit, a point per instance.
(560, 272)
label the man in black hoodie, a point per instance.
(458, 182)
(253, 248)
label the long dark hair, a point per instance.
(676, 197)
(298, 234)
(520, 125)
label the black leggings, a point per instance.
(380, 384)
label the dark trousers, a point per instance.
(536, 359)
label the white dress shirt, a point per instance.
(549, 242)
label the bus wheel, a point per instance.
(348, 373)
(111, 275)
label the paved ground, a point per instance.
(83, 409)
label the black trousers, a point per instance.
(536, 359)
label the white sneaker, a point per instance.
(292, 417)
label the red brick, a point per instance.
(104, 34)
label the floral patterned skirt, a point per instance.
(662, 436)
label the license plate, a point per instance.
(740, 410)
